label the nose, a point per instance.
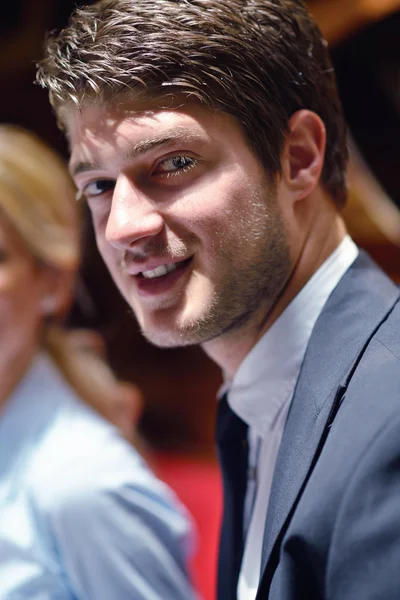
(133, 216)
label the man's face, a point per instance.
(184, 217)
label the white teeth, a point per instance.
(159, 271)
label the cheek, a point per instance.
(23, 288)
(219, 212)
(19, 312)
(8, 311)
(111, 258)
(107, 252)
(12, 291)
(206, 208)
(99, 209)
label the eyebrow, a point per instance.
(169, 137)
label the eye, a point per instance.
(98, 187)
(175, 165)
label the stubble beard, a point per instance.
(250, 293)
(249, 286)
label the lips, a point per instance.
(162, 279)
(159, 271)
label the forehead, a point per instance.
(109, 131)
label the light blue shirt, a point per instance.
(81, 516)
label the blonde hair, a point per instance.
(37, 197)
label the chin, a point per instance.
(167, 338)
(173, 334)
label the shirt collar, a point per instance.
(265, 380)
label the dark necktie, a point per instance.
(233, 456)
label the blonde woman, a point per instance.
(81, 517)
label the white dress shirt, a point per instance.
(261, 392)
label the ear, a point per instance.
(304, 151)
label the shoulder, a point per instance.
(364, 551)
(106, 515)
(114, 523)
(376, 378)
(106, 509)
(89, 455)
(376, 374)
(115, 500)
(388, 334)
(83, 466)
(365, 433)
(371, 403)
(366, 430)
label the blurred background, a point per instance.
(179, 386)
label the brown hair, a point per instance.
(258, 60)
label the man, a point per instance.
(208, 140)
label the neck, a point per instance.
(322, 230)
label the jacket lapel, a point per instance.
(355, 309)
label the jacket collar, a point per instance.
(262, 389)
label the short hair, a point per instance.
(257, 60)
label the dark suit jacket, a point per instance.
(333, 523)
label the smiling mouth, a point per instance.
(163, 270)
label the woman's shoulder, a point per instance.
(96, 496)
(98, 481)
(82, 456)
(81, 451)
